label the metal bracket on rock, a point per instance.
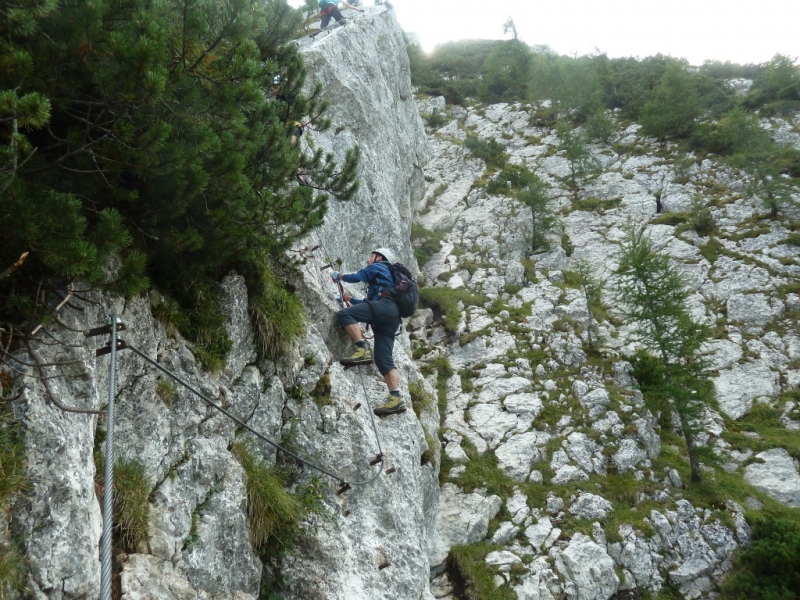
(104, 330)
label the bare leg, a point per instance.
(354, 332)
(392, 379)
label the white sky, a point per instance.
(739, 31)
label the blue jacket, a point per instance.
(377, 276)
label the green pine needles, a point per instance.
(769, 569)
(653, 295)
(146, 143)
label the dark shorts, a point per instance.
(330, 11)
(384, 316)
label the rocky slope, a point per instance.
(588, 501)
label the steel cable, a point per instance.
(260, 436)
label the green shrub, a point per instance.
(490, 151)
(167, 391)
(277, 313)
(426, 243)
(669, 219)
(530, 269)
(793, 239)
(321, 394)
(420, 399)
(170, 314)
(12, 481)
(131, 506)
(711, 250)
(700, 218)
(769, 569)
(12, 454)
(444, 301)
(435, 120)
(601, 126)
(510, 179)
(596, 204)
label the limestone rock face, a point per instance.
(462, 519)
(777, 474)
(198, 489)
(529, 401)
(588, 569)
(365, 73)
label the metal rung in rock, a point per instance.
(357, 406)
(104, 330)
(390, 471)
(344, 488)
(376, 460)
(382, 566)
(121, 345)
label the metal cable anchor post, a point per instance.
(108, 486)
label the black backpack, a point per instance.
(405, 292)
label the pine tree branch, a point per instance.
(15, 266)
(53, 399)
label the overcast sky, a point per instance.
(698, 30)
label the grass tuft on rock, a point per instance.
(273, 512)
(472, 577)
(131, 506)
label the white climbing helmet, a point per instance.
(387, 254)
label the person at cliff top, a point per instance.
(383, 314)
(330, 8)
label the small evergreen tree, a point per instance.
(506, 72)
(534, 195)
(749, 147)
(582, 165)
(777, 88)
(653, 295)
(601, 126)
(671, 113)
(592, 285)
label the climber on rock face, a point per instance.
(384, 316)
(330, 8)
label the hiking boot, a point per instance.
(394, 405)
(362, 356)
